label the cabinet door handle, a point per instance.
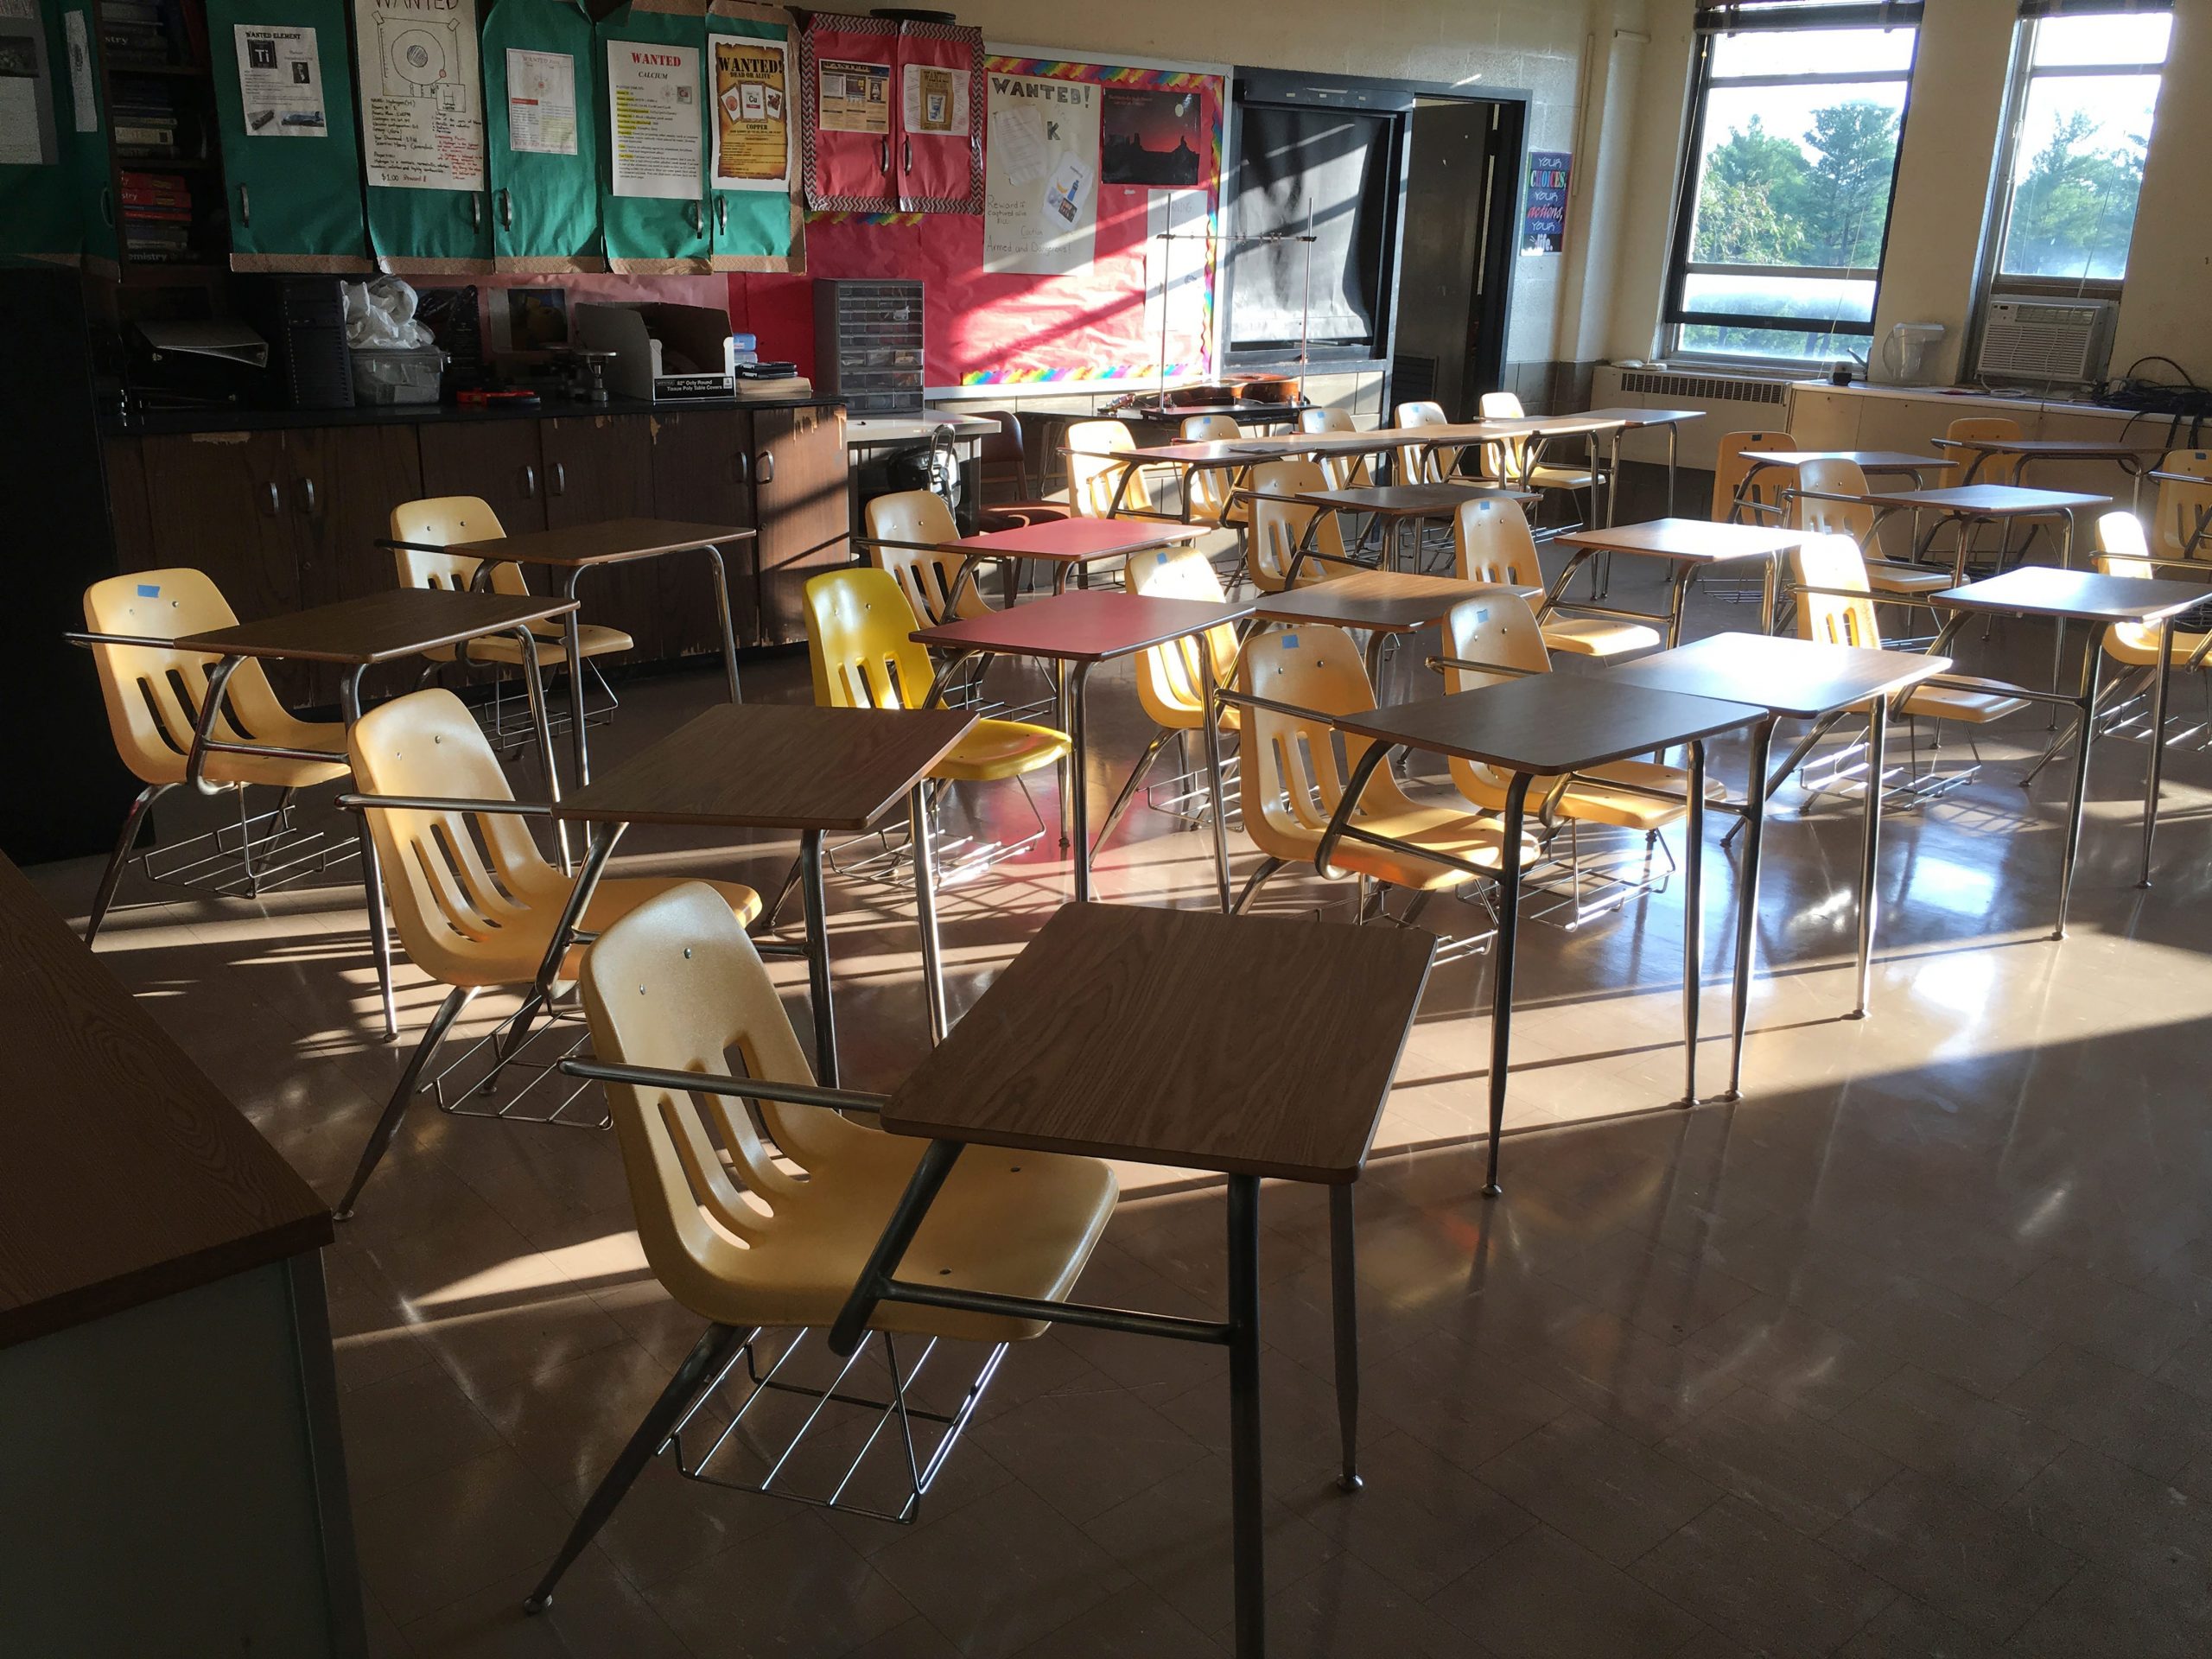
(107, 207)
(245, 207)
(722, 216)
(506, 209)
(475, 211)
(909, 154)
(885, 155)
(764, 468)
(529, 483)
(307, 495)
(560, 479)
(276, 502)
(743, 464)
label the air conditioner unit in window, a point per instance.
(2046, 340)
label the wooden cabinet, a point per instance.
(291, 517)
(497, 460)
(799, 471)
(597, 467)
(702, 472)
(220, 502)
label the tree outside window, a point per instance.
(1791, 203)
(2082, 133)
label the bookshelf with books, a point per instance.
(165, 199)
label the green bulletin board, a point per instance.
(39, 200)
(422, 135)
(293, 162)
(654, 217)
(544, 150)
(754, 228)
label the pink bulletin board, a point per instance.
(987, 329)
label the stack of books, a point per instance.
(156, 218)
(754, 379)
(136, 31)
(144, 112)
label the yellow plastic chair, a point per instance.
(2123, 551)
(1507, 462)
(1098, 486)
(474, 901)
(1492, 542)
(1171, 679)
(1643, 796)
(1835, 606)
(907, 531)
(742, 1241)
(858, 624)
(1210, 487)
(1343, 472)
(1429, 463)
(154, 693)
(1279, 528)
(1293, 780)
(2182, 519)
(1762, 499)
(1814, 501)
(1994, 468)
(444, 520)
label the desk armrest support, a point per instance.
(788, 1094)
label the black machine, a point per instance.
(303, 319)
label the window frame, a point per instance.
(1675, 313)
(1997, 217)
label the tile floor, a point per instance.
(1910, 1353)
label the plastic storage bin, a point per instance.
(410, 376)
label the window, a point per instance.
(1785, 200)
(2083, 105)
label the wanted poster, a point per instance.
(653, 93)
(280, 82)
(421, 112)
(752, 133)
(1040, 177)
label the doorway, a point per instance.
(1462, 163)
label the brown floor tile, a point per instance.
(1605, 1490)
(428, 1544)
(1982, 1567)
(1987, 1450)
(1544, 1597)
(1756, 1582)
(2099, 1615)
(2112, 1320)
(1754, 1445)
(1910, 1630)
(2157, 1428)
(2128, 1522)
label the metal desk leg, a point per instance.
(1575, 559)
(534, 684)
(816, 901)
(1870, 848)
(1248, 1534)
(1693, 920)
(1747, 906)
(722, 611)
(1343, 1291)
(1214, 785)
(2086, 714)
(573, 639)
(1769, 590)
(1677, 597)
(1078, 796)
(349, 702)
(918, 836)
(1613, 477)
(1501, 995)
(1673, 443)
(2158, 743)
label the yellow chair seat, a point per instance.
(593, 640)
(1589, 800)
(1885, 577)
(2137, 645)
(274, 771)
(1597, 636)
(1018, 1224)
(1561, 478)
(1477, 837)
(1001, 748)
(1987, 700)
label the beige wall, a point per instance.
(1943, 180)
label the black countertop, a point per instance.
(168, 421)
